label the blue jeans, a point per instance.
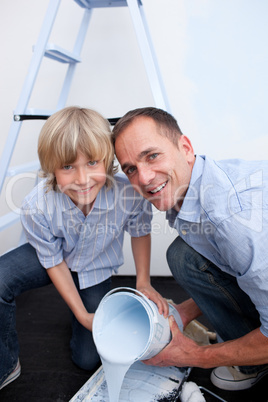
(84, 352)
(229, 310)
(20, 271)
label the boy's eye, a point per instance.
(67, 167)
(92, 163)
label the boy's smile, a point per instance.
(81, 181)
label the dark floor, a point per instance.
(48, 373)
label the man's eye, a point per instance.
(130, 170)
(153, 156)
(92, 163)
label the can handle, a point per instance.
(133, 291)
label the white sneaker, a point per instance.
(12, 376)
(231, 378)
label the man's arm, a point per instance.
(62, 279)
(141, 249)
(188, 311)
(251, 349)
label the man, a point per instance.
(220, 256)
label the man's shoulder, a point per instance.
(238, 168)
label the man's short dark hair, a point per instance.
(167, 124)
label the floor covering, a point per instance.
(48, 374)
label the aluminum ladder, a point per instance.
(45, 49)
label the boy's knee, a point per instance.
(86, 361)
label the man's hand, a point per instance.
(179, 352)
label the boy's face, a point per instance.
(81, 181)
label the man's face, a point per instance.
(159, 170)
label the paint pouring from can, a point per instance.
(128, 327)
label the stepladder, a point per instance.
(70, 58)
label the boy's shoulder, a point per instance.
(36, 193)
(121, 178)
(121, 183)
(39, 196)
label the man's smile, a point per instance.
(159, 188)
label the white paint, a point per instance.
(128, 333)
(114, 374)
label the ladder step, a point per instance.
(26, 167)
(38, 114)
(33, 114)
(101, 3)
(63, 56)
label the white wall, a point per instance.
(213, 59)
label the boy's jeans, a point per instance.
(217, 294)
(20, 270)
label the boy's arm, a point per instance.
(141, 249)
(62, 279)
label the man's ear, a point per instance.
(186, 147)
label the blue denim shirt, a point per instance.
(90, 245)
(224, 217)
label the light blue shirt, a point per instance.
(90, 245)
(224, 217)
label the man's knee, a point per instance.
(184, 262)
(176, 250)
(177, 257)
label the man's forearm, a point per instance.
(188, 311)
(251, 349)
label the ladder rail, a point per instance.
(77, 51)
(38, 54)
(148, 54)
(28, 87)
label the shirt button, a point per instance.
(183, 232)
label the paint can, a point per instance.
(133, 325)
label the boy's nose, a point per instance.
(81, 177)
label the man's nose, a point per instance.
(145, 175)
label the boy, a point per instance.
(75, 220)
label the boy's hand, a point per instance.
(86, 320)
(153, 295)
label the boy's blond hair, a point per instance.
(72, 130)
